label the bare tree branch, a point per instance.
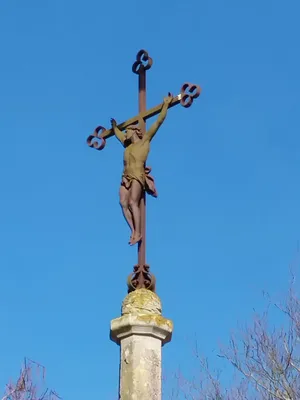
(268, 360)
(28, 386)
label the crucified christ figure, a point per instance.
(135, 178)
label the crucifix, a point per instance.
(136, 179)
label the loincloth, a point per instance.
(146, 180)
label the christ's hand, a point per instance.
(113, 123)
(168, 99)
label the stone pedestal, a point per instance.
(141, 331)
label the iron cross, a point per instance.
(141, 276)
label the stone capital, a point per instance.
(153, 325)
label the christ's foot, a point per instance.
(137, 237)
(131, 238)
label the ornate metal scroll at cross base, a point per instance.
(141, 278)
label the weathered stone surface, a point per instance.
(141, 331)
(140, 368)
(144, 325)
(141, 301)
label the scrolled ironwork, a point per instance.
(95, 140)
(141, 277)
(143, 62)
(189, 92)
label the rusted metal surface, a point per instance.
(141, 276)
(100, 143)
(142, 55)
(143, 62)
(188, 93)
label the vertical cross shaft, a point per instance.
(141, 276)
(142, 108)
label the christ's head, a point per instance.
(133, 132)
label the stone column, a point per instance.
(141, 331)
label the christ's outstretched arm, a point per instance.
(160, 119)
(119, 135)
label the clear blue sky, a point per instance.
(226, 223)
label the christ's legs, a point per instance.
(136, 191)
(124, 202)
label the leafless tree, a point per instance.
(267, 361)
(30, 384)
(269, 358)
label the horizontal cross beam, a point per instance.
(185, 98)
